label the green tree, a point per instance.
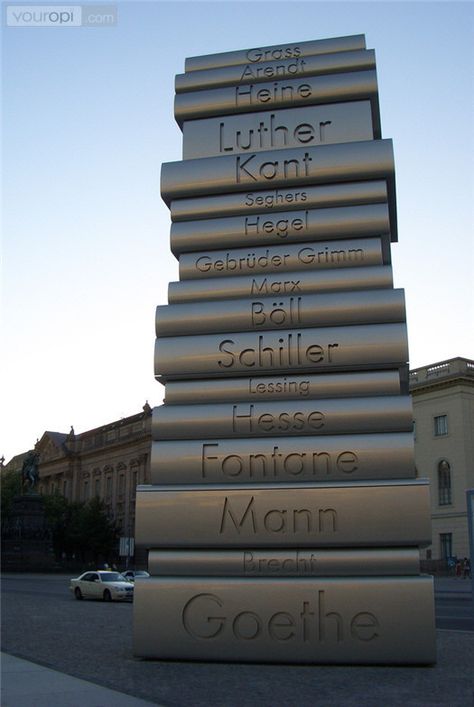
(99, 533)
(63, 518)
(83, 530)
(10, 487)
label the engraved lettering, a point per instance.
(311, 620)
(276, 520)
(275, 464)
(278, 314)
(274, 287)
(309, 255)
(283, 169)
(288, 353)
(271, 199)
(279, 227)
(251, 94)
(281, 386)
(255, 55)
(192, 620)
(364, 626)
(273, 70)
(322, 129)
(248, 515)
(297, 562)
(267, 135)
(245, 421)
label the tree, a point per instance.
(11, 487)
(82, 530)
(63, 520)
(99, 533)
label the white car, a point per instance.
(109, 586)
(132, 575)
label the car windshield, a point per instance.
(112, 577)
(141, 573)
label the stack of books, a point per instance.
(284, 518)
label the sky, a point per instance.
(87, 122)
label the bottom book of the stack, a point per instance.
(371, 620)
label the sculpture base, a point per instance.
(351, 620)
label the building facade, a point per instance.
(107, 462)
(443, 409)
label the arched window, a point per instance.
(444, 483)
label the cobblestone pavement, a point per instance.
(92, 640)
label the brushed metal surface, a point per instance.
(295, 283)
(311, 197)
(263, 313)
(289, 93)
(371, 514)
(383, 620)
(284, 351)
(284, 563)
(286, 226)
(340, 457)
(311, 386)
(370, 159)
(292, 127)
(278, 417)
(275, 52)
(293, 68)
(325, 255)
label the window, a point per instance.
(441, 425)
(65, 487)
(444, 483)
(86, 490)
(97, 488)
(446, 545)
(109, 486)
(121, 483)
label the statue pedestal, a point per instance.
(26, 538)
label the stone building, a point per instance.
(108, 462)
(443, 409)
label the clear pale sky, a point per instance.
(88, 120)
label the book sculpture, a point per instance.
(284, 518)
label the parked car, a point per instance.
(109, 586)
(132, 574)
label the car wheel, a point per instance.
(107, 595)
(78, 593)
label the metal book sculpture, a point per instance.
(284, 518)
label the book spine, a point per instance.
(275, 52)
(278, 283)
(290, 93)
(323, 255)
(290, 227)
(283, 351)
(292, 417)
(269, 313)
(290, 127)
(293, 68)
(267, 460)
(311, 562)
(350, 515)
(299, 620)
(371, 159)
(276, 200)
(309, 387)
